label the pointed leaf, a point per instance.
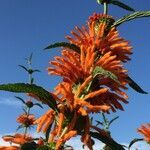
(41, 93)
(136, 15)
(48, 132)
(36, 70)
(30, 58)
(32, 80)
(107, 140)
(134, 141)
(122, 5)
(135, 86)
(100, 71)
(111, 121)
(99, 123)
(20, 127)
(64, 44)
(20, 99)
(23, 67)
(37, 104)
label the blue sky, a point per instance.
(30, 25)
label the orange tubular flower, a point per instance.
(44, 121)
(145, 130)
(25, 119)
(18, 138)
(9, 148)
(100, 46)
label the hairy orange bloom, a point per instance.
(18, 138)
(100, 46)
(44, 121)
(25, 119)
(65, 138)
(145, 130)
(9, 148)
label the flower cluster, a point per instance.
(93, 80)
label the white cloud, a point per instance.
(77, 144)
(9, 101)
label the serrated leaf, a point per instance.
(134, 141)
(63, 44)
(37, 104)
(135, 15)
(23, 67)
(100, 71)
(41, 93)
(20, 99)
(135, 86)
(120, 4)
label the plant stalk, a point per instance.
(105, 8)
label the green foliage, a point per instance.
(102, 72)
(117, 3)
(44, 147)
(120, 4)
(134, 141)
(135, 15)
(107, 140)
(135, 86)
(63, 44)
(41, 93)
(29, 146)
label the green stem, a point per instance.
(105, 8)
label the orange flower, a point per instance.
(65, 138)
(9, 148)
(145, 130)
(18, 138)
(44, 121)
(100, 46)
(25, 119)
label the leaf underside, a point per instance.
(122, 5)
(64, 44)
(41, 93)
(135, 15)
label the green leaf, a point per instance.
(120, 4)
(23, 67)
(20, 99)
(37, 104)
(44, 147)
(99, 123)
(20, 127)
(48, 132)
(107, 140)
(135, 86)
(63, 44)
(29, 146)
(112, 120)
(136, 15)
(41, 93)
(32, 80)
(134, 141)
(30, 58)
(100, 71)
(36, 70)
